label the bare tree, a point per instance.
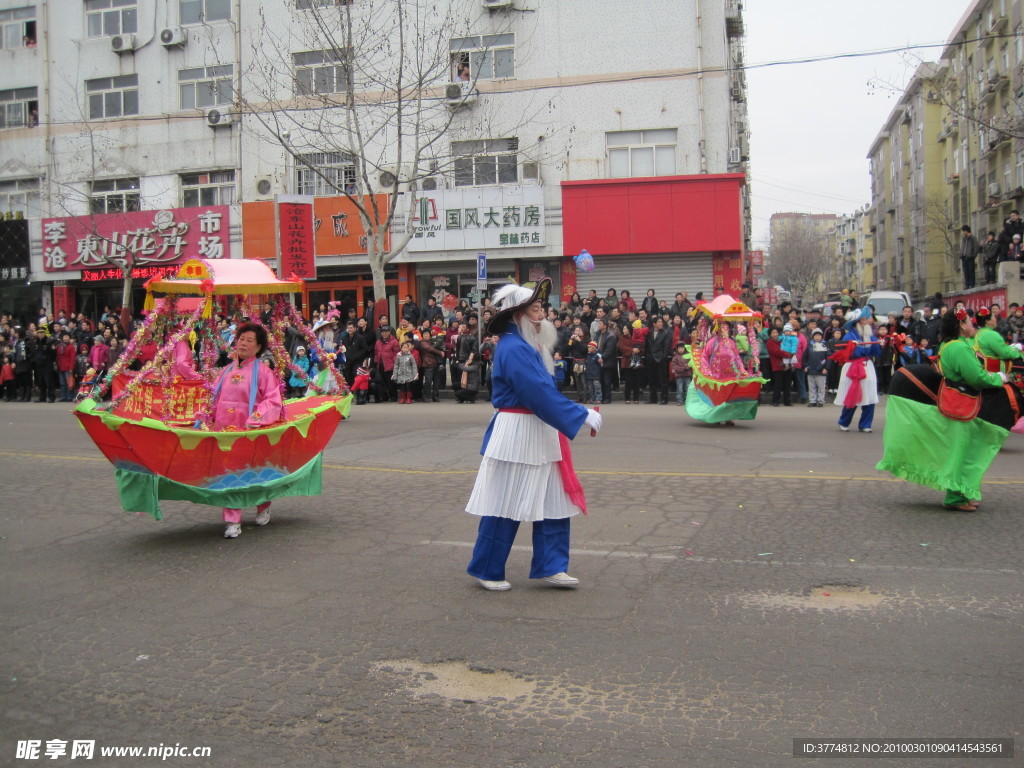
(380, 92)
(798, 257)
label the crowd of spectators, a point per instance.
(608, 348)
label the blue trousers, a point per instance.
(867, 415)
(494, 542)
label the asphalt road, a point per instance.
(741, 587)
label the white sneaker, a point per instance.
(562, 580)
(845, 429)
(495, 586)
(232, 530)
(262, 518)
(866, 430)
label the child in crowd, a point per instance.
(7, 378)
(832, 377)
(361, 383)
(405, 372)
(817, 370)
(681, 370)
(913, 353)
(559, 371)
(88, 382)
(593, 373)
(299, 380)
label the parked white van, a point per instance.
(885, 302)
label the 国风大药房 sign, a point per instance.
(478, 218)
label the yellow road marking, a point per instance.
(597, 472)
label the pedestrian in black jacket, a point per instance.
(658, 354)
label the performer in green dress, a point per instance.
(924, 446)
(990, 344)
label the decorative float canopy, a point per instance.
(725, 307)
(220, 277)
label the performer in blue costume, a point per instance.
(526, 473)
(858, 382)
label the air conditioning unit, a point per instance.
(432, 183)
(736, 92)
(267, 186)
(215, 118)
(174, 36)
(735, 156)
(531, 171)
(394, 174)
(495, 5)
(459, 94)
(993, 190)
(122, 43)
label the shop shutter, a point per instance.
(666, 274)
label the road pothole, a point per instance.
(454, 680)
(824, 597)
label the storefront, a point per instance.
(18, 296)
(83, 256)
(678, 233)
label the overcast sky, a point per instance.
(811, 124)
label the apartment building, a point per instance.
(142, 134)
(951, 153)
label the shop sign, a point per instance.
(295, 228)
(478, 218)
(134, 239)
(727, 270)
(139, 273)
(757, 259)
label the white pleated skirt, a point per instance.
(868, 385)
(518, 477)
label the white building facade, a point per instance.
(580, 125)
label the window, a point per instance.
(115, 196)
(113, 96)
(205, 87)
(198, 11)
(320, 72)
(18, 27)
(641, 153)
(483, 58)
(215, 188)
(21, 196)
(487, 161)
(19, 107)
(305, 5)
(111, 17)
(338, 168)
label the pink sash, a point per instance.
(570, 482)
(856, 373)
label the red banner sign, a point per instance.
(134, 238)
(568, 275)
(147, 399)
(979, 299)
(295, 231)
(756, 258)
(139, 273)
(727, 271)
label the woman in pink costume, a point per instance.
(248, 396)
(722, 357)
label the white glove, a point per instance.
(1003, 376)
(593, 420)
(1018, 346)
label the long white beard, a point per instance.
(543, 339)
(865, 331)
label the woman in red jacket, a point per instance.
(66, 368)
(782, 372)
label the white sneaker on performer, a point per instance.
(562, 580)
(232, 530)
(495, 586)
(845, 429)
(866, 429)
(262, 518)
